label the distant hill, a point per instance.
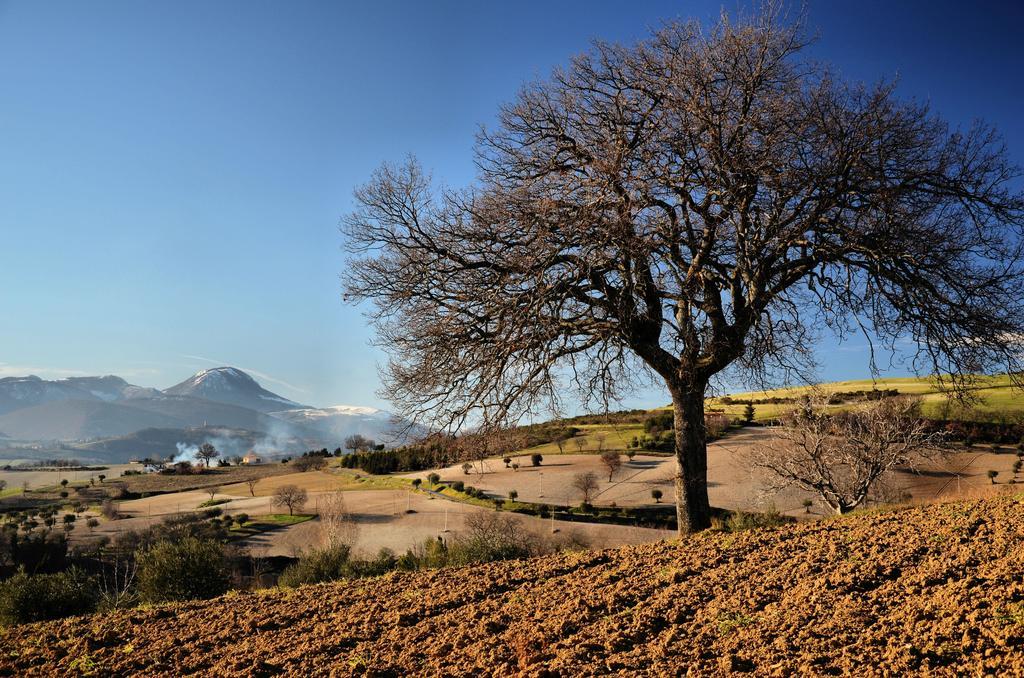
(929, 590)
(234, 387)
(160, 443)
(79, 420)
(341, 421)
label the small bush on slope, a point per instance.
(184, 570)
(28, 598)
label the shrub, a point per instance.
(319, 565)
(458, 486)
(182, 570)
(656, 495)
(433, 479)
(27, 598)
(737, 521)
(109, 510)
(536, 459)
(513, 495)
(467, 467)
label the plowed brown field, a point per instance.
(935, 590)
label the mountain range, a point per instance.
(108, 419)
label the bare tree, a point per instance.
(212, 491)
(602, 439)
(358, 443)
(702, 200)
(560, 440)
(118, 570)
(586, 483)
(580, 442)
(841, 456)
(337, 525)
(207, 453)
(612, 461)
(292, 496)
(251, 482)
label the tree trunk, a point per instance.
(693, 511)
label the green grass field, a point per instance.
(995, 398)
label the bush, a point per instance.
(182, 570)
(319, 565)
(738, 521)
(27, 598)
(458, 486)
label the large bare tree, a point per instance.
(698, 201)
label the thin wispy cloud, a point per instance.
(256, 373)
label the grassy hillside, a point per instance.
(996, 398)
(924, 591)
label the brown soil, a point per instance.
(935, 590)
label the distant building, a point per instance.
(251, 458)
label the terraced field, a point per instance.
(935, 590)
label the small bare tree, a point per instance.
(841, 456)
(207, 453)
(292, 496)
(580, 443)
(612, 461)
(586, 483)
(118, 570)
(706, 199)
(251, 482)
(337, 525)
(212, 491)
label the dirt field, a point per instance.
(931, 590)
(380, 514)
(732, 484)
(37, 479)
(380, 510)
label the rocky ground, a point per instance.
(936, 590)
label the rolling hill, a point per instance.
(80, 420)
(932, 590)
(995, 397)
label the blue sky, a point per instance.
(172, 173)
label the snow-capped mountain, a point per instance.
(341, 421)
(20, 392)
(232, 386)
(110, 388)
(86, 411)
